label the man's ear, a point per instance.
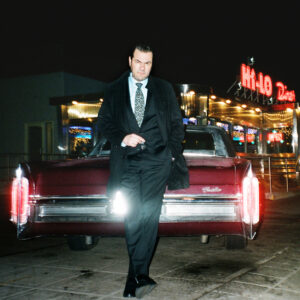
(129, 60)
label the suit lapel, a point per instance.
(123, 100)
(154, 95)
(130, 120)
(159, 105)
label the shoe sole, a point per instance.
(144, 290)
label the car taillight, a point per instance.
(19, 200)
(250, 199)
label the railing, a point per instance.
(277, 172)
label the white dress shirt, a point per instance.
(133, 87)
(132, 91)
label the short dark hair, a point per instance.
(141, 47)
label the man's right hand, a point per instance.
(132, 140)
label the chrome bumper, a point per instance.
(97, 208)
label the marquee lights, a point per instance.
(263, 84)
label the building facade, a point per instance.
(261, 116)
(30, 125)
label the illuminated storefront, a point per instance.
(261, 116)
(78, 132)
(80, 139)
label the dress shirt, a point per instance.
(132, 91)
(133, 87)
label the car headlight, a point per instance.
(119, 204)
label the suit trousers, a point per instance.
(143, 186)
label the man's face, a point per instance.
(140, 64)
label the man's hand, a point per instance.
(133, 140)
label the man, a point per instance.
(141, 118)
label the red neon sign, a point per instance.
(275, 136)
(263, 84)
(283, 94)
(250, 138)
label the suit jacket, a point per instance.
(113, 125)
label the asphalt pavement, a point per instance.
(269, 268)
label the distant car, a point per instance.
(68, 197)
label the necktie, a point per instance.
(139, 104)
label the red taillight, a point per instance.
(19, 200)
(250, 200)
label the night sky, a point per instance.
(203, 45)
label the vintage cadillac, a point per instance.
(68, 198)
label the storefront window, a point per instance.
(279, 140)
(252, 139)
(80, 139)
(189, 121)
(193, 105)
(78, 127)
(223, 125)
(238, 137)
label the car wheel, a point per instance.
(82, 242)
(235, 242)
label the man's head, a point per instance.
(140, 62)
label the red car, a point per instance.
(68, 197)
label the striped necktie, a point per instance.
(139, 106)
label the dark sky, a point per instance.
(204, 44)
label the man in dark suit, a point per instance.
(140, 116)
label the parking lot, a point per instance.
(269, 268)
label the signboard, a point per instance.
(82, 132)
(251, 134)
(275, 137)
(263, 84)
(280, 107)
(238, 133)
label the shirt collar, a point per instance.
(134, 81)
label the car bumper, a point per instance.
(92, 215)
(175, 208)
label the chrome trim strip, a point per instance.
(184, 211)
(166, 196)
(75, 197)
(203, 196)
(48, 210)
(202, 201)
(203, 154)
(199, 210)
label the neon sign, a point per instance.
(263, 84)
(283, 94)
(275, 136)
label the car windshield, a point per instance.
(199, 141)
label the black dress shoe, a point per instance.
(145, 285)
(129, 291)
